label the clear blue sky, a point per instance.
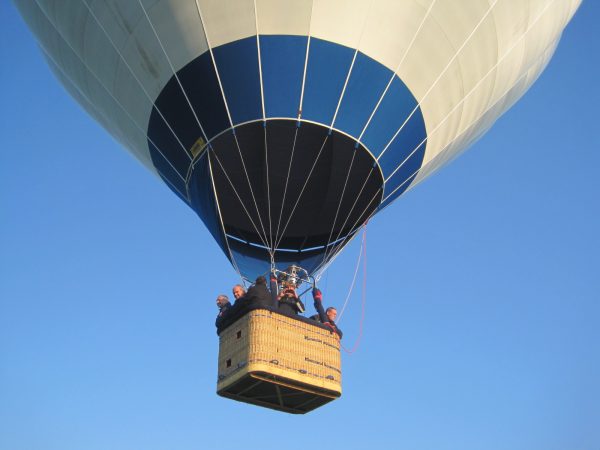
(483, 288)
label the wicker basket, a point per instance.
(279, 362)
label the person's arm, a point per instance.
(274, 293)
(318, 298)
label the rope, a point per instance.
(264, 118)
(408, 49)
(330, 253)
(417, 106)
(287, 179)
(301, 192)
(363, 302)
(362, 31)
(217, 204)
(362, 246)
(212, 57)
(187, 99)
(136, 79)
(271, 243)
(237, 143)
(327, 255)
(361, 323)
(121, 106)
(239, 198)
(103, 113)
(409, 178)
(47, 52)
(508, 52)
(203, 132)
(346, 240)
(439, 77)
(278, 240)
(427, 13)
(339, 206)
(262, 91)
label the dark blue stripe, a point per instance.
(407, 172)
(204, 203)
(326, 72)
(166, 171)
(395, 107)
(282, 60)
(407, 144)
(202, 88)
(404, 177)
(367, 81)
(161, 137)
(237, 63)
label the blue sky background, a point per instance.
(483, 287)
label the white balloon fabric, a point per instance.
(287, 124)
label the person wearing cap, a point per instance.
(326, 317)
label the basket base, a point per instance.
(279, 393)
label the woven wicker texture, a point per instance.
(267, 342)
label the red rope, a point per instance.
(364, 297)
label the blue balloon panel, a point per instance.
(237, 63)
(326, 73)
(282, 62)
(396, 107)
(365, 86)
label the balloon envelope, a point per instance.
(287, 125)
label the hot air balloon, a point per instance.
(286, 125)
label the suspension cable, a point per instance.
(135, 77)
(439, 77)
(337, 211)
(362, 247)
(406, 52)
(231, 122)
(328, 254)
(287, 179)
(481, 80)
(278, 240)
(339, 234)
(302, 191)
(362, 304)
(239, 198)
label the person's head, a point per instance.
(331, 313)
(261, 280)
(287, 291)
(238, 291)
(222, 300)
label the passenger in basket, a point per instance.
(224, 306)
(289, 303)
(326, 317)
(238, 291)
(258, 295)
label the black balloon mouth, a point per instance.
(295, 186)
